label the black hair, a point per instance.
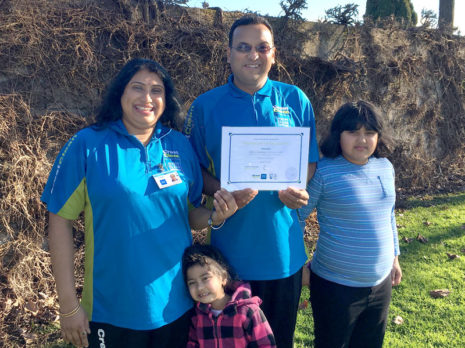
(208, 255)
(250, 19)
(353, 116)
(110, 110)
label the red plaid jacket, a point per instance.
(241, 324)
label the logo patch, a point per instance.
(283, 110)
(282, 116)
(283, 122)
(172, 160)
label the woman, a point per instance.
(139, 185)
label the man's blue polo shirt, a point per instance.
(263, 241)
(135, 232)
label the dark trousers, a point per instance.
(280, 303)
(349, 317)
(173, 335)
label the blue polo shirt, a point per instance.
(135, 232)
(263, 241)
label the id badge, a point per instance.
(167, 179)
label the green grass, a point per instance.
(428, 322)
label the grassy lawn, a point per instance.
(428, 322)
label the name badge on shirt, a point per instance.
(167, 179)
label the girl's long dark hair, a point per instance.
(353, 116)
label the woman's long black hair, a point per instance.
(110, 110)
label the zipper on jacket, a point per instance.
(154, 141)
(147, 160)
(215, 331)
(141, 146)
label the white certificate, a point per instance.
(264, 158)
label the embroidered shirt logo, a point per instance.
(171, 153)
(282, 116)
(172, 160)
(187, 130)
(281, 110)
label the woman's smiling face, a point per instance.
(143, 102)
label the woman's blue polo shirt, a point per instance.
(135, 232)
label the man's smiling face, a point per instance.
(251, 69)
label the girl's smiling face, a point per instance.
(358, 145)
(207, 286)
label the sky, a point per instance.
(316, 8)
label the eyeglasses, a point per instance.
(246, 48)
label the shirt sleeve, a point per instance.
(308, 120)
(194, 130)
(314, 189)
(313, 154)
(257, 328)
(196, 184)
(65, 191)
(394, 223)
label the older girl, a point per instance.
(355, 263)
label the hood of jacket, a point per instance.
(242, 296)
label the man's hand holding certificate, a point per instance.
(264, 158)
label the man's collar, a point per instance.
(237, 92)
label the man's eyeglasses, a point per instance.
(245, 48)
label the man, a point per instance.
(263, 240)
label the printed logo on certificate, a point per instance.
(264, 158)
(167, 179)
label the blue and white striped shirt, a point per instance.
(358, 234)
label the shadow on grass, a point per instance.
(435, 236)
(429, 201)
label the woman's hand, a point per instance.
(225, 206)
(75, 328)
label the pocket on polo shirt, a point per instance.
(387, 185)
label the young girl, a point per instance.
(355, 263)
(225, 314)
